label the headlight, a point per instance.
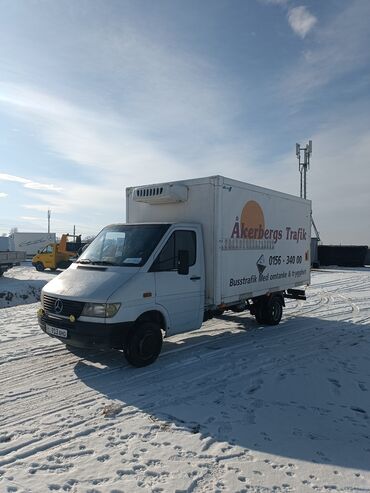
(102, 310)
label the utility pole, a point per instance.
(49, 214)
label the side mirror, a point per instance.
(183, 262)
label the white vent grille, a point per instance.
(148, 192)
(161, 194)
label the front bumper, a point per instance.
(88, 334)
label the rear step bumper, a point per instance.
(295, 294)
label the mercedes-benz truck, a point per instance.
(188, 251)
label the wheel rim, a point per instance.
(148, 346)
(276, 311)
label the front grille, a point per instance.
(68, 307)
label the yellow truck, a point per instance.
(58, 255)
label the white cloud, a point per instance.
(42, 186)
(106, 140)
(301, 20)
(29, 183)
(170, 108)
(115, 152)
(2, 194)
(338, 50)
(32, 218)
(37, 207)
(6, 177)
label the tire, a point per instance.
(259, 312)
(143, 344)
(39, 266)
(268, 311)
(273, 310)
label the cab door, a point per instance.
(47, 256)
(182, 295)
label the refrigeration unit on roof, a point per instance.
(166, 193)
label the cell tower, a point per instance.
(303, 167)
(49, 215)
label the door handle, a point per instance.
(195, 278)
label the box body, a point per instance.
(6, 244)
(256, 240)
(32, 242)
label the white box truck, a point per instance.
(31, 243)
(8, 257)
(188, 251)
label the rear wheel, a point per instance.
(273, 310)
(143, 344)
(259, 312)
(40, 266)
(269, 310)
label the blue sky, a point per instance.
(99, 95)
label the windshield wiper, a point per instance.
(102, 262)
(94, 262)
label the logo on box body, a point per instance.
(251, 225)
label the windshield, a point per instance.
(126, 245)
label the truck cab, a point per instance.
(133, 284)
(58, 255)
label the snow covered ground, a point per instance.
(23, 284)
(234, 407)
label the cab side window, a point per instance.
(179, 240)
(47, 249)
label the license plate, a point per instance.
(55, 331)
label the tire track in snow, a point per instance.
(228, 374)
(64, 393)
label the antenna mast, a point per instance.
(304, 165)
(49, 214)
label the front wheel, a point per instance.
(39, 266)
(143, 344)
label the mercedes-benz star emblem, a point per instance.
(58, 306)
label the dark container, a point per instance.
(367, 258)
(342, 255)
